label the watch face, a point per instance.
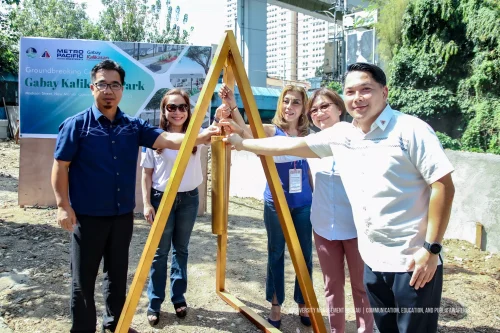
(435, 248)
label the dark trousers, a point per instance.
(398, 307)
(94, 238)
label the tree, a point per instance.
(447, 69)
(335, 86)
(201, 55)
(48, 18)
(137, 21)
(8, 52)
(389, 26)
(54, 18)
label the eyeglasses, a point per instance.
(294, 101)
(174, 107)
(103, 86)
(323, 107)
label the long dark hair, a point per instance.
(164, 123)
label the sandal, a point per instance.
(275, 323)
(182, 313)
(155, 314)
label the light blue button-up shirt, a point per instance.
(331, 213)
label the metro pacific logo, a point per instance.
(67, 54)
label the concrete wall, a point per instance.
(477, 195)
(477, 198)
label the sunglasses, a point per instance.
(174, 107)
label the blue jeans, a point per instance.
(177, 232)
(275, 282)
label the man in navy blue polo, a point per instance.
(95, 167)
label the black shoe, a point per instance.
(306, 321)
(182, 313)
(275, 323)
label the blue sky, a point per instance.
(208, 17)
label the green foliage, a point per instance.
(335, 86)
(121, 20)
(136, 20)
(53, 18)
(483, 132)
(447, 142)
(8, 51)
(389, 26)
(36, 18)
(433, 103)
(447, 69)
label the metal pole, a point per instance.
(220, 196)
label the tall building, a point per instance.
(281, 43)
(295, 41)
(312, 34)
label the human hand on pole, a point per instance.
(227, 96)
(230, 126)
(235, 141)
(205, 136)
(222, 112)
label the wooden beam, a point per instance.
(274, 181)
(239, 306)
(172, 187)
(479, 236)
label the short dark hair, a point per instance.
(376, 72)
(108, 65)
(331, 95)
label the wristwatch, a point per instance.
(433, 248)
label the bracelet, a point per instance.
(236, 107)
(216, 120)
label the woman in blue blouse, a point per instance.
(289, 120)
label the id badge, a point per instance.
(295, 178)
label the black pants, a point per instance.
(94, 238)
(399, 308)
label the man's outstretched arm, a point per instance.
(273, 146)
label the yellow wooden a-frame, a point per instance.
(227, 58)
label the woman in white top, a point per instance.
(333, 224)
(175, 116)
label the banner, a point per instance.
(54, 78)
(361, 47)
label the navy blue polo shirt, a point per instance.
(103, 156)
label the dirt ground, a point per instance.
(35, 280)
